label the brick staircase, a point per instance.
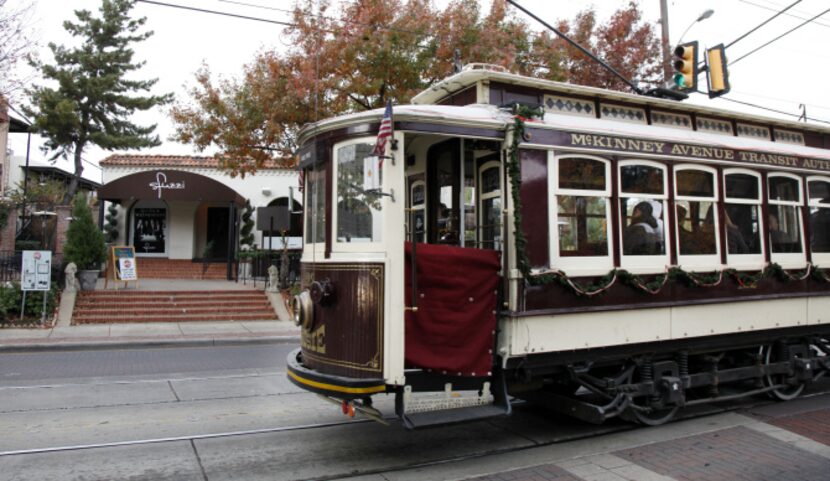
(154, 268)
(98, 307)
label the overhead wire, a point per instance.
(778, 37)
(793, 14)
(733, 42)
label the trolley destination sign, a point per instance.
(643, 146)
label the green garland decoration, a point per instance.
(523, 113)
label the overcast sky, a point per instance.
(787, 73)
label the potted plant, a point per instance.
(85, 244)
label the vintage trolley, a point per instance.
(603, 253)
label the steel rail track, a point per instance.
(598, 431)
(195, 437)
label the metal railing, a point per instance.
(256, 267)
(11, 262)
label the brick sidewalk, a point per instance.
(788, 448)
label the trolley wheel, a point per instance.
(769, 355)
(649, 416)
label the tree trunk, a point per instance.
(76, 179)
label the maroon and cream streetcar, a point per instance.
(603, 253)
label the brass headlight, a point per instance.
(301, 305)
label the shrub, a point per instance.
(84, 241)
(11, 297)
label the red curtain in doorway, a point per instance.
(453, 330)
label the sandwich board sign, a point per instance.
(122, 265)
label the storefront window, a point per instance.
(149, 228)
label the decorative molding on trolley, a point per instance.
(753, 131)
(789, 137)
(668, 119)
(569, 106)
(624, 114)
(715, 126)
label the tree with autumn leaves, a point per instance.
(356, 57)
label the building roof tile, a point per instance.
(138, 160)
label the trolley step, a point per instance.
(450, 416)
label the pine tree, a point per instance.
(91, 103)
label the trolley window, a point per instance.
(315, 193)
(784, 220)
(742, 218)
(818, 189)
(417, 202)
(358, 205)
(642, 215)
(490, 221)
(581, 189)
(696, 212)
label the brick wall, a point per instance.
(8, 233)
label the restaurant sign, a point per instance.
(680, 150)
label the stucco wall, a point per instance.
(182, 217)
(187, 220)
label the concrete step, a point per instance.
(171, 306)
(200, 309)
(259, 316)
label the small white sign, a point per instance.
(36, 272)
(127, 268)
(371, 172)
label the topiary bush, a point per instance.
(111, 227)
(84, 240)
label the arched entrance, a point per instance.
(162, 207)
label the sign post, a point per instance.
(36, 275)
(122, 265)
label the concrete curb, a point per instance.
(144, 343)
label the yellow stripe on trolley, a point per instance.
(333, 387)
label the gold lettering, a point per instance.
(315, 341)
(578, 139)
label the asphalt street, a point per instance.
(229, 413)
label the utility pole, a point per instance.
(664, 23)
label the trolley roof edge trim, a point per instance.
(433, 114)
(468, 78)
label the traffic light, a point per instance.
(717, 77)
(685, 67)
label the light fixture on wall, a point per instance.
(266, 192)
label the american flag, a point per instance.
(384, 132)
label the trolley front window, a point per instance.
(359, 199)
(315, 191)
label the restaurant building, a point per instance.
(188, 208)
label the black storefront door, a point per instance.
(217, 233)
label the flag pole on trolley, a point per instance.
(384, 134)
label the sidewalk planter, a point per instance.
(88, 279)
